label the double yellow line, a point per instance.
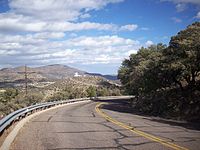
(132, 129)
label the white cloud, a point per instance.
(185, 1)
(57, 10)
(131, 52)
(4, 53)
(10, 46)
(149, 43)
(180, 7)
(68, 26)
(101, 41)
(198, 15)
(38, 49)
(181, 4)
(55, 16)
(10, 22)
(129, 27)
(34, 31)
(49, 35)
(24, 39)
(86, 15)
(102, 58)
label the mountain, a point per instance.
(50, 72)
(109, 77)
(58, 71)
(45, 73)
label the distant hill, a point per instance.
(58, 71)
(47, 73)
(49, 83)
(109, 77)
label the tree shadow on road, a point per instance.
(124, 107)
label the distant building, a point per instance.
(77, 75)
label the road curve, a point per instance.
(80, 126)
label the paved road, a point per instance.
(79, 126)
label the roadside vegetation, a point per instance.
(12, 99)
(166, 79)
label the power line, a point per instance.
(26, 81)
(26, 78)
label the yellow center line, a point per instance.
(138, 132)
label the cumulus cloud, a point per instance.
(57, 10)
(101, 41)
(149, 43)
(49, 35)
(198, 15)
(180, 7)
(181, 4)
(55, 16)
(84, 49)
(42, 32)
(5, 52)
(129, 27)
(86, 15)
(185, 1)
(10, 22)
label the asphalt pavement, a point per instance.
(81, 126)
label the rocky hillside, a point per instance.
(58, 71)
(50, 72)
(53, 84)
(45, 73)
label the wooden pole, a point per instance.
(26, 82)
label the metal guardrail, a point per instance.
(10, 118)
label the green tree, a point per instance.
(32, 98)
(157, 73)
(102, 92)
(183, 56)
(9, 94)
(141, 73)
(91, 91)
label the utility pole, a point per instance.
(26, 81)
(26, 78)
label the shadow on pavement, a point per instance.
(124, 107)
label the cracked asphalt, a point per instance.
(79, 126)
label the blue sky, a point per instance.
(92, 35)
